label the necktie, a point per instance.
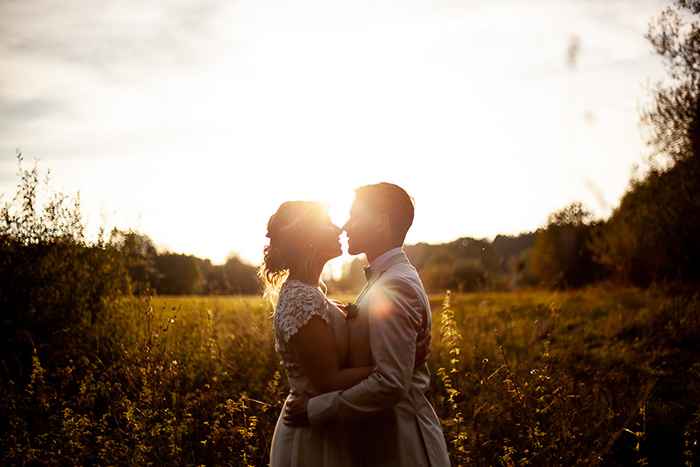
(368, 273)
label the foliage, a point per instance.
(651, 238)
(352, 277)
(139, 255)
(465, 264)
(27, 222)
(53, 284)
(164, 383)
(177, 274)
(241, 277)
(669, 118)
(516, 258)
(591, 377)
(582, 378)
(562, 257)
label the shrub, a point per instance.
(53, 284)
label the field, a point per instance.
(593, 377)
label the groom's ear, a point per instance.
(383, 223)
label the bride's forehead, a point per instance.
(319, 217)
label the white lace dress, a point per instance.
(330, 446)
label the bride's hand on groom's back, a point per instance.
(295, 408)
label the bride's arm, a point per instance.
(314, 344)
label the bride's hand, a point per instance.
(295, 408)
(422, 348)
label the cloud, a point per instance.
(165, 105)
(15, 115)
(69, 64)
(120, 39)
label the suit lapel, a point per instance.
(358, 328)
(396, 259)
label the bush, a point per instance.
(53, 285)
(562, 255)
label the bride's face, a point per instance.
(325, 238)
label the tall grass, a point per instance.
(595, 377)
(165, 382)
(575, 378)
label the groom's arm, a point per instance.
(394, 320)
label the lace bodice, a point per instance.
(297, 304)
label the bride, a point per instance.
(310, 332)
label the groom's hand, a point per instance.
(295, 408)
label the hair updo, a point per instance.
(282, 252)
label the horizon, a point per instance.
(191, 124)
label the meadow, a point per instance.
(600, 376)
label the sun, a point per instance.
(340, 200)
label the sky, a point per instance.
(191, 122)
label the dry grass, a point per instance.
(595, 377)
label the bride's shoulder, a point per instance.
(298, 296)
(296, 305)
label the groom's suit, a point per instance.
(397, 424)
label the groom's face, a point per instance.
(361, 228)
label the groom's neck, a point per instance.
(375, 253)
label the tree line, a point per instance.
(169, 273)
(651, 238)
(52, 278)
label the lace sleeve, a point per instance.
(297, 304)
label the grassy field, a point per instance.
(579, 378)
(594, 377)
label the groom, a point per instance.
(397, 424)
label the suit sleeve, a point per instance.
(394, 320)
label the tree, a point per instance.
(464, 264)
(53, 284)
(214, 278)
(673, 111)
(467, 275)
(352, 277)
(140, 255)
(178, 274)
(651, 238)
(562, 257)
(241, 277)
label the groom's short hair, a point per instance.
(392, 200)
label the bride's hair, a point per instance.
(283, 251)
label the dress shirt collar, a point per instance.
(380, 260)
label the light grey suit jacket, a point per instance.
(398, 426)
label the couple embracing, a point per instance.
(358, 373)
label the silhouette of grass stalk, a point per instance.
(450, 379)
(514, 389)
